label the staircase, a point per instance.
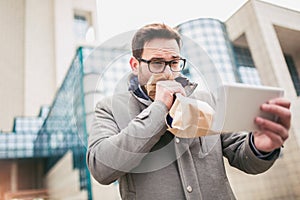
(20, 142)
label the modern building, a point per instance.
(53, 60)
(39, 40)
(272, 35)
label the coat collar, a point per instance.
(135, 88)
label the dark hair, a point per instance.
(150, 32)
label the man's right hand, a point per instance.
(165, 91)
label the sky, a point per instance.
(119, 16)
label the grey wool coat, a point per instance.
(129, 142)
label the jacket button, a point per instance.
(189, 188)
(177, 140)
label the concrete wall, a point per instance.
(65, 43)
(12, 49)
(39, 68)
(256, 21)
(62, 181)
(26, 58)
(37, 48)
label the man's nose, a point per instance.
(168, 73)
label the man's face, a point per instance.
(161, 49)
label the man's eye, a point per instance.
(157, 62)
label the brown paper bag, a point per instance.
(191, 117)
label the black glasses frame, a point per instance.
(166, 63)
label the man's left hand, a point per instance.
(272, 135)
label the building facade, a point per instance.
(272, 34)
(258, 45)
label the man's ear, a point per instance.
(134, 64)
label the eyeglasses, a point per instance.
(158, 66)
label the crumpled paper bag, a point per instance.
(151, 84)
(191, 117)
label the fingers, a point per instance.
(273, 134)
(172, 87)
(269, 127)
(281, 110)
(165, 91)
(281, 102)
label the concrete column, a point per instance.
(11, 61)
(39, 55)
(14, 176)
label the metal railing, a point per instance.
(64, 128)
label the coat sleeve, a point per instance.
(113, 152)
(237, 150)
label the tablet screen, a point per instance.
(238, 104)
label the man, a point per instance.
(129, 128)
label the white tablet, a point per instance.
(237, 105)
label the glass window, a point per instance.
(82, 26)
(293, 72)
(245, 66)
